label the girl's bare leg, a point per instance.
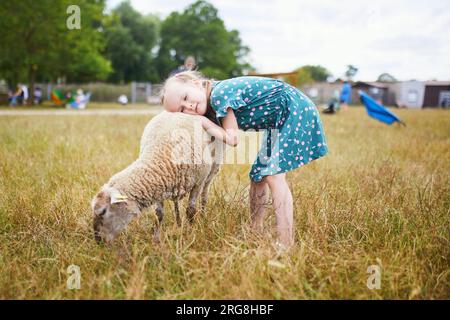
(259, 195)
(283, 206)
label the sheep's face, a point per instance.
(112, 213)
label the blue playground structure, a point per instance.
(80, 101)
(377, 110)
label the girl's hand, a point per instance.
(228, 133)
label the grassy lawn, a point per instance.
(381, 197)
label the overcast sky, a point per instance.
(409, 39)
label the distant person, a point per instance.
(37, 95)
(346, 95)
(10, 96)
(189, 64)
(333, 104)
(78, 100)
(17, 97)
(24, 93)
(123, 99)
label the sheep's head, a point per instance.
(112, 213)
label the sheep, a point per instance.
(172, 163)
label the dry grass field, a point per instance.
(381, 197)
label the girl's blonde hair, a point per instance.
(183, 77)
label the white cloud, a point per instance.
(409, 39)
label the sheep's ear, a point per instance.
(117, 197)
(100, 202)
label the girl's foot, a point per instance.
(281, 248)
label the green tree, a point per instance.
(82, 51)
(37, 44)
(351, 71)
(386, 77)
(304, 77)
(317, 73)
(198, 31)
(130, 38)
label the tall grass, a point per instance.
(381, 197)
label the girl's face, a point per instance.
(188, 97)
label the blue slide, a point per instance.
(378, 111)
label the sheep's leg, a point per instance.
(177, 212)
(160, 215)
(204, 195)
(190, 211)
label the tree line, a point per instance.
(120, 46)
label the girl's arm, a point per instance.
(228, 133)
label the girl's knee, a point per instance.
(258, 184)
(275, 178)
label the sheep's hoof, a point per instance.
(156, 240)
(156, 236)
(257, 227)
(178, 221)
(190, 213)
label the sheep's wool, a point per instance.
(174, 158)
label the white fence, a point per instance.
(137, 92)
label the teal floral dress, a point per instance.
(293, 134)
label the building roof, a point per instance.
(375, 84)
(437, 83)
(273, 74)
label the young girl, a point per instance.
(294, 135)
